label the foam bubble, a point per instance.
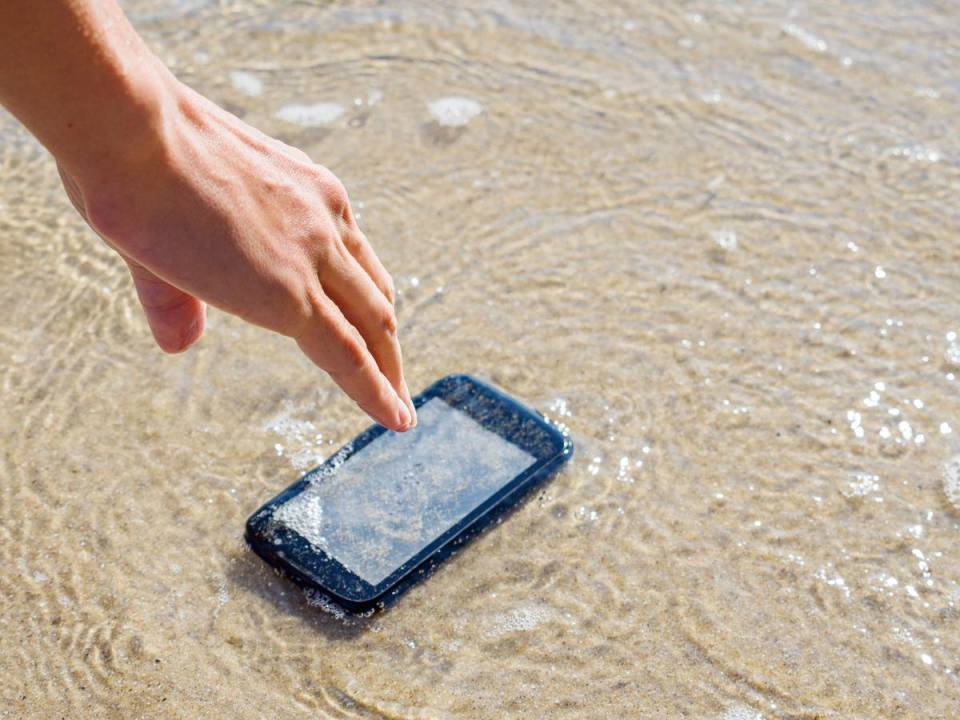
(952, 352)
(521, 619)
(727, 239)
(740, 712)
(304, 517)
(247, 83)
(454, 111)
(301, 437)
(916, 153)
(831, 577)
(951, 481)
(317, 599)
(315, 115)
(862, 485)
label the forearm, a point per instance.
(77, 75)
(202, 207)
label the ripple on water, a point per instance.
(805, 37)
(522, 177)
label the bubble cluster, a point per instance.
(317, 599)
(952, 352)
(247, 83)
(316, 115)
(740, 712)
(521, 619)
(915, 153)
(828, 575)
(863, 484)
(951, 481)
(454, 112)
(301, 439)
(726, 239)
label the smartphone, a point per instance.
(386, 508)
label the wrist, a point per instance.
(119, 124)
(81, 80)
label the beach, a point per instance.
(716, 243)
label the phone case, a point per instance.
(310, 567)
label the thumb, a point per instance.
(175, 317)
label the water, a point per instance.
(718, 242)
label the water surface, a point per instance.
(718, 242)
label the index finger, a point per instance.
(372, 314)
(336, 346)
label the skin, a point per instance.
(202, 207)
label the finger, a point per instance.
(369, 311)
(337, 347)
(363, 253)
(176, 318)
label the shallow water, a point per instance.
(717, 241)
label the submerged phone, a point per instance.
(388, 507)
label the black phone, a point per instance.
(388, 507)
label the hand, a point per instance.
(206, 209)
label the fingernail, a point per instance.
(409, 401)
(403, 415)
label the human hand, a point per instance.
(206, 209)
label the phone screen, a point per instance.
(392, 498)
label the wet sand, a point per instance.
(719, 242)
